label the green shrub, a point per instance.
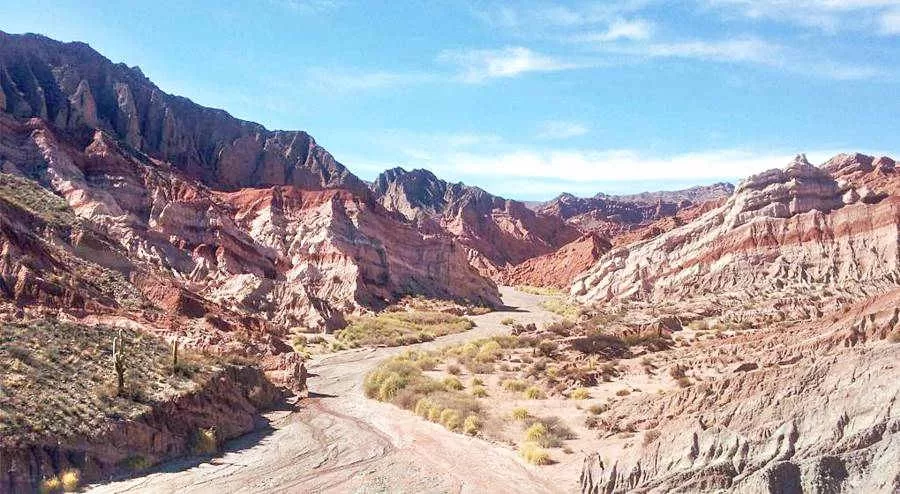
(534, 393)
(513, 385)
(520, 413)
(452, 383)
(450, 419)
(479, 391)
(472, 425)
(536, 432)
(580, 394)
(534, 454)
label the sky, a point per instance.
(524, 99)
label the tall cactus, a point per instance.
(175, 356)
(119, 362)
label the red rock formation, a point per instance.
(497, 232)
(612, 216)
(783, 231)
(559, 268)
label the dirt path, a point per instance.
(339, 441)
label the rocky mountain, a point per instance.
(73, 88)
(557, 269)
(226, 213)
(497, 232)
(809, 257)
(793, 230)
(614, 215)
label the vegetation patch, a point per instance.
(400, 328)
(59, 380)
(541, 290)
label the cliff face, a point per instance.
(558, 269)
(806, 260)
(213, 211)
(782, 231)
(74, 88)
(497, 232)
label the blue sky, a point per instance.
(525, 99)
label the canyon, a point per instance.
(717, 338)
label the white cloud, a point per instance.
(637, 29)
(479, 65)
(546, 173)
(737, 50)
(530, 16)
(560, 129)
(827, 15)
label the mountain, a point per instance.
(73, 88)
(557, 269)
(613, 215)
(782, 233)
(264, 223)
(789, 290)
(497, 232)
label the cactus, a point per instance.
(119, 362)
(175, 356)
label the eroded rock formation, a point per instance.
(497, 232)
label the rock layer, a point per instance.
(783, 230)
(496, 231)
(559, 268)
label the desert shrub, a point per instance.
(70, 480)
(623, 392)
(51, 485)
(472, 425)
(592, 422)
(536, 432)
(508, 341)
(534, 393)
(683, 381)
(205, 442)
(534, 454)
(563, 308)
(508, 321)
(540, 290)
(450, 419)
(488, 352)
(547, 348)
(520, 413)
(396, 328)
(452, 383)
(476, 381)
(454, 369)
(479, 392)
(600, 344)
(598, 408)
(513, 385)
(580, 394)
(562, 328)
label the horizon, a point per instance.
(450, 100)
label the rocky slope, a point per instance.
(497, 232)
(805, 260)
(612, 215)
(805, 408)
(222, 211)
(558, 269)
(796, 230)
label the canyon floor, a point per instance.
(337, 440)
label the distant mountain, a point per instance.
(497, 232)
(614, 215)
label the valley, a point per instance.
(191, 302)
